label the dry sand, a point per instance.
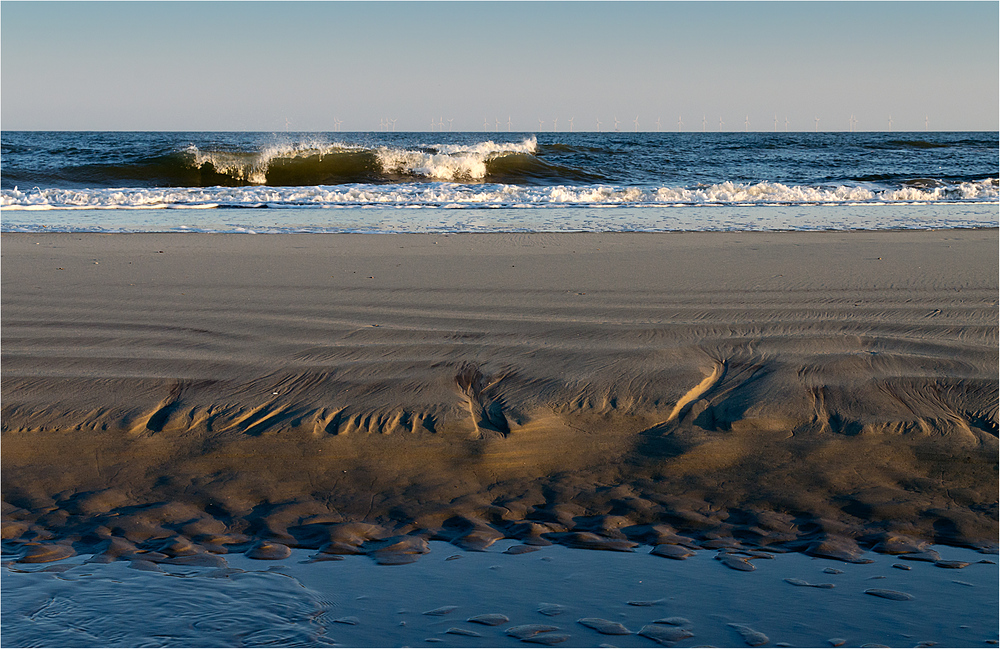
(822, 392)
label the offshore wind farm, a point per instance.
(507, 125)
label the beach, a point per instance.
(823, 392)
(576, 324)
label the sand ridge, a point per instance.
(808, 391)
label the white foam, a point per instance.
(438, 194)
(451, 161)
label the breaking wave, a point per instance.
(307, 164)
(330, 164)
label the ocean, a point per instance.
(500, 181)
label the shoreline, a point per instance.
(508, 220)
(823, 392)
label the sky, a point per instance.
(311, 66)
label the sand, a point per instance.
(184, 394)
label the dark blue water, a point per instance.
(126, 171)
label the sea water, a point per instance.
(354, 602)
(483, 182)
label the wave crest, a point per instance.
(338, 163)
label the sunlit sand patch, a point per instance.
(672, 551)
(269, 551)
(735, 562)
(954, 565)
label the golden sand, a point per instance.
(824, 391)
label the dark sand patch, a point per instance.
(665, 635)
(466, 632)
(750, 636)
(490, 619)
(524, 631)
(794, 581)
(605, 627)
(885, 593)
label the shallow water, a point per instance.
(610, 218)
(354, 602)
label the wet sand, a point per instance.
(563, 597)
(186, 394)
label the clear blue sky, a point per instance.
(268, 66)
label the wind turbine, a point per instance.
(746, 125)
(336, 124)
(381, 124)
(432, 125)
(636, 120)
(393, 124)
(786, 125)
(598, 125)
(496, 124)
(817, 124)
(450, 120)
(616, 125)
(775, 123)
(486, 126)
(852, 122)
(657, 124)
(441, 124)
(679, 123)
(541, 123)
(508, 123)
(703, 123)
(925, 122)
(720, 124)
(571, 124)
(555, 125)
(890, 123)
